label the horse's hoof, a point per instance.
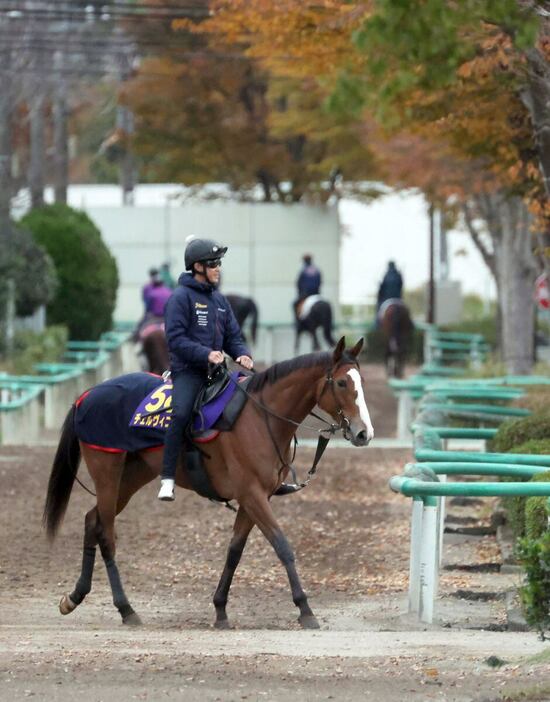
(309, 621)
(66, 605)
(132, 619)
(222, 624)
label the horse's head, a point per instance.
(340, 393)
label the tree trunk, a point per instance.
(537, 100)
(5, 140)
(36, 166)
(508, 251)
(515, 270)
(5, 155)
(61, 150)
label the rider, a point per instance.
(308, 281)
(146, 289)
(199, 325)
(157, 298)
(391, 287)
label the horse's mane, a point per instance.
(280, 370)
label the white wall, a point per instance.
(266, 243)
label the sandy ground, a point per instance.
(350, 535)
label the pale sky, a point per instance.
(397, 227)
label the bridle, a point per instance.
(343, 425)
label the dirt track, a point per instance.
(350, 535)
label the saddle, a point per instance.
(220, 392)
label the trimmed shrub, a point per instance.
(540, 447)
(534, 555)
(87, 271)
(536, 510)
(518, 431)
(30, 267)
(514, 506)
(537, 399)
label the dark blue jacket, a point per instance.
(391, 285)
(198, 319)
(309, 281)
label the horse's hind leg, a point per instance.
(241, 530)
(106, 471)
(316, 344)
(259, 510)
(84, 583)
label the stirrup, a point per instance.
(166, 492)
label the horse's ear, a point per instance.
(339, 350)
(356, 350)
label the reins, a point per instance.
(322, 441)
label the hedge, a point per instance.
(87, 272)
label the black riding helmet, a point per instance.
(198, 250)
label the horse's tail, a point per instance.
(327, 325)
(64, 469)
(253, 320)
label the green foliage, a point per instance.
(420, 44)
(30, 348)
(29, 266)
(534, 555)
(484, 325)
(87, 271)
(536, 516)
(540, 447)
(516, 432)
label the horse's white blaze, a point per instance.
(361, 402)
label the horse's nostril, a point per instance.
(362, 436)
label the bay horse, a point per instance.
(247, 464)
(153, 343)
(397, 328)
(243, 308)
(311, 313)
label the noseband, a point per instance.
(344, 425)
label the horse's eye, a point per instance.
(341, 383)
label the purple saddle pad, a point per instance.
(158, 403)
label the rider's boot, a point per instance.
(166, 492)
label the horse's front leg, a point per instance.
(258, 508)
(241, 530)
(84, 583)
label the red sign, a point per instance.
(542, 292)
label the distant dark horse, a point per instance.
(312, 313)
(155, 348)
(244, 307)
(397, 327)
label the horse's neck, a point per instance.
(294, 396)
